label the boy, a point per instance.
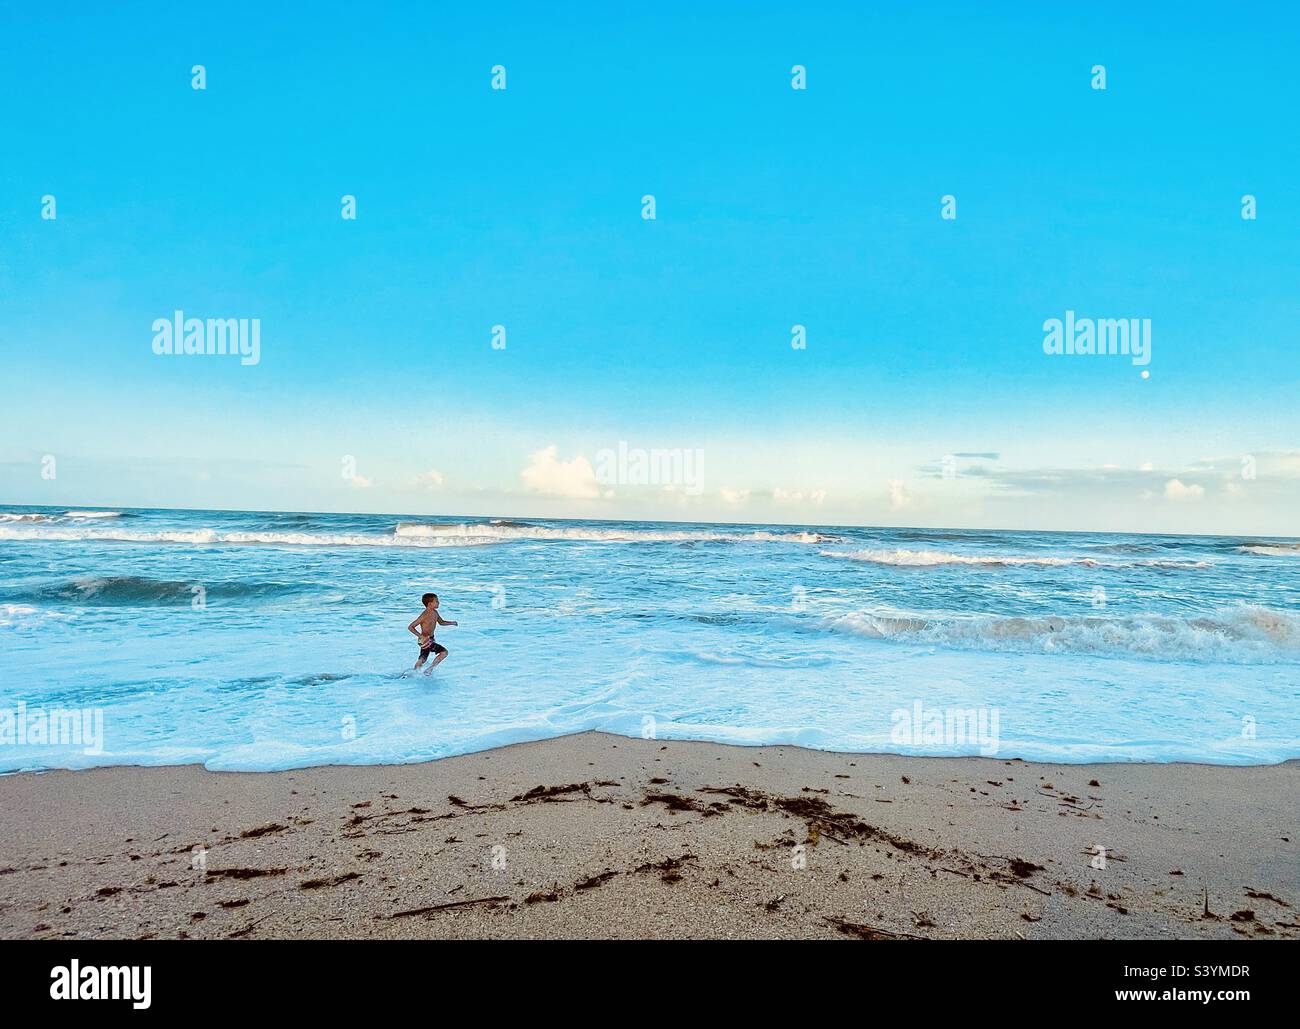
(423, 628)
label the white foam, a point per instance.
(1244, 633)
(498, 533)
(17, 616)
(1272, 549)
(16, 516)
(406, 534)
(205, 537)
(932, 558)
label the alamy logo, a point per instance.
(195, 336)
(1102, 336)
(123, 982)
(921, 726)
(58, 727)
(636, 466)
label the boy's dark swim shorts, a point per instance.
(432, 648)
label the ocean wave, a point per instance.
(128, 590)
(210, 537)
(28, 516)
(933, 558)
(406, 534)
(499, 532)
(1272, 549)
(1245, 634)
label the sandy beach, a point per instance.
(595, 835)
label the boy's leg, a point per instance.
(440, 655)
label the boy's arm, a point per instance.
(416, 628)
(443, 621)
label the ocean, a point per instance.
(257, 641)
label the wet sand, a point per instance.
(603, 836)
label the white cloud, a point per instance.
(735, 496)
(1147, 467)
(899, 498)
(359, 482)
(432, 479)
(546, 473)
(1175, 489)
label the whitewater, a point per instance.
(256, 641)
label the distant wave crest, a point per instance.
(211, 537)
(406, 534)
(933, 558)
(24, 516)
(505, 532)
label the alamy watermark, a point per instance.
(75, 981)
(921, 726)
(1130, 337)
(57, 727)
(637, 466)
(240, 337)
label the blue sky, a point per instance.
(774, 207)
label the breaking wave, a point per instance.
(933, 558)
(1243, 634)
(129, 590)
(210, 537)
(1272, 549)
(505, 532)
(24, 516)
(406, 534)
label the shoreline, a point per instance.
(799, 748)
(594, 835)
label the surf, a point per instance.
(1247, 634)
(933, 558)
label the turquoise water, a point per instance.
(269, 641)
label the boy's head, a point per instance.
(429, 600)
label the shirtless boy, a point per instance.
(423, 628)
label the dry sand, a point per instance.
(604, 836)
